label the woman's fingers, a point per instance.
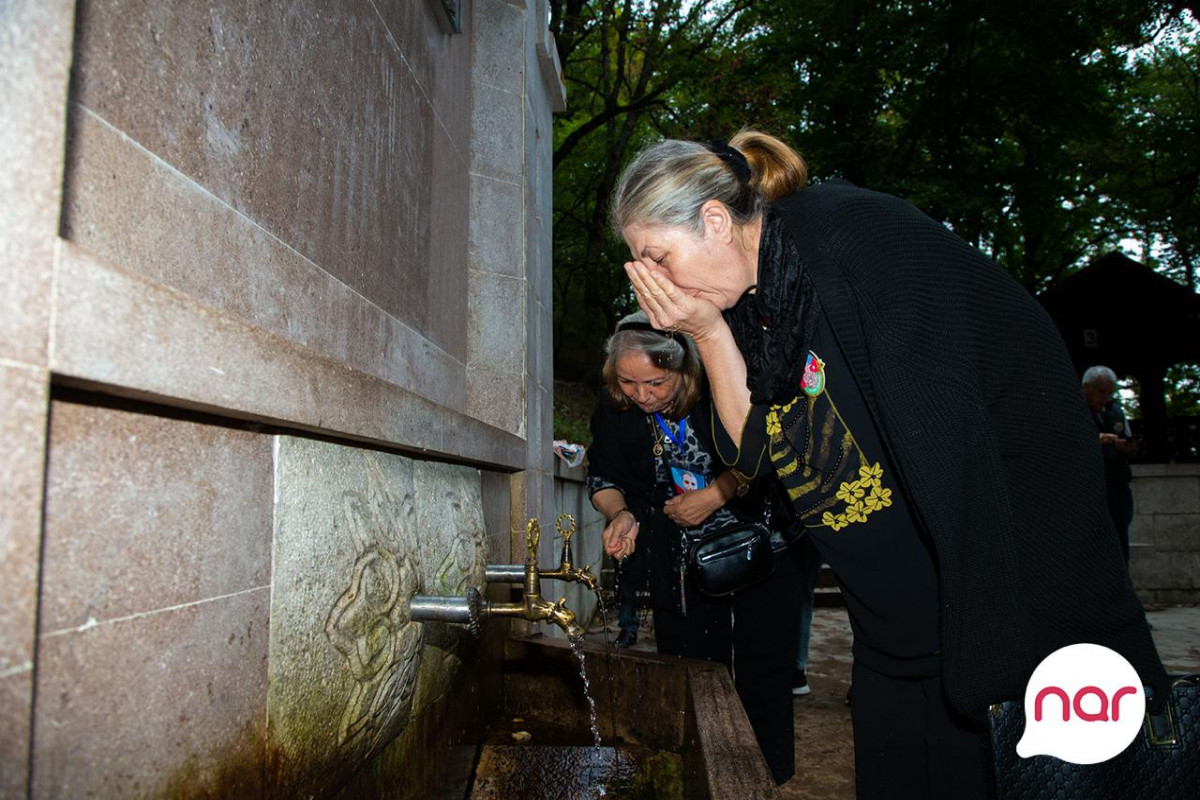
(665, 305)
(613, 542)
(639, 279)
(619, 548)
(618, 541)
(666, 289)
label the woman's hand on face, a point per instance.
(692, 508)
(667, 306)
(620, 535)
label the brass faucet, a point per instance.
(534, 607)
(472, 608)
(565, 571)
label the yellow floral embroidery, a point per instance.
(773, 426)
(813, 465)
(862, 497)
(837, 522)
(850, 492)
(878, 498)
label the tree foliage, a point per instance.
(992, 116)
(1042, 132)
(622, 60)
(1155, 181)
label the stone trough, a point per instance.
(670, 727)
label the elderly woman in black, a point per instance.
(921, 410)
(652, 473)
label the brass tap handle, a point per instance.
(533, 534)
(565, 531)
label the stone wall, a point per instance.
(274, 356)
(1164, 557)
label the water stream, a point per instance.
(577, 649)
(608, 648)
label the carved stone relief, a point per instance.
(369, 624)
(450, 521)
(344, 655)
(453, 558)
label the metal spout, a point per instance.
(538, 609)
(472, 608)
(504, 573)
(466, 610)
(565, 571)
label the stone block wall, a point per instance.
(1164, 557)
(35, 60)
(274, 356)
(155, 606)
(197, 641)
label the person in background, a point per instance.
(652, 438)
(1116, 445)
(921, 411)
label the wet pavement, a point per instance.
(824, 741)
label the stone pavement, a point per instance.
(824, 741)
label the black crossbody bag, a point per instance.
(732, 558)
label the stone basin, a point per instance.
(670, 727)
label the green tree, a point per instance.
(1155, 177)
(622, 59)
(1045, 133)
(989, 115)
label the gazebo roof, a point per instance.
(1122, 314)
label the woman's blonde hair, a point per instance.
(670, 351)
(666, 184)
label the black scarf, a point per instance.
(774, 321)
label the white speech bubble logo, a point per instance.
(1084, 704)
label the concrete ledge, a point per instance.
(1169, 597)
(572, 474)
(125, 335)
(552, 74)
(1165, 470)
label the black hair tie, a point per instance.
(733, 157)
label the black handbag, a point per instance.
(1162, 762)
(732, 558)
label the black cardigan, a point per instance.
(621, 453)
(979, 408)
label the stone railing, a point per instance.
(1164, 559)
